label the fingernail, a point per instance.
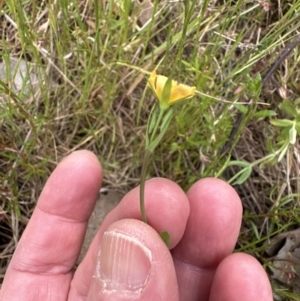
(124, 263)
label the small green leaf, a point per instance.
(165, 236)
(163, 130)
(255, 230)
(282, 122)
(283, 152)
(254, 85)
(238, 163)
(242, 108)
(297, 101)
(245, 174)
(152, 120)
(288, 107)
(174, 147)
(264, 113)
(167, 119)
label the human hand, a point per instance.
(133, 262)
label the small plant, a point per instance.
(168, 92)
(288, 131)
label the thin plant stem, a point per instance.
(161, 113)
(142, 184)
(146, 159)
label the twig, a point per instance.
(285, 53)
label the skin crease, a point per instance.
(203, 224)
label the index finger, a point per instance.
(41, 268)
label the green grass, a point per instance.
(89, 101)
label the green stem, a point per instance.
(142, 184)
(160, 116)
(146, 159)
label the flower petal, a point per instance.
(180, 92)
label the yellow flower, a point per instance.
(178, 91)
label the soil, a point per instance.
(105, 204)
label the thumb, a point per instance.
(133, 263)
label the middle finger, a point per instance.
(210, 235)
